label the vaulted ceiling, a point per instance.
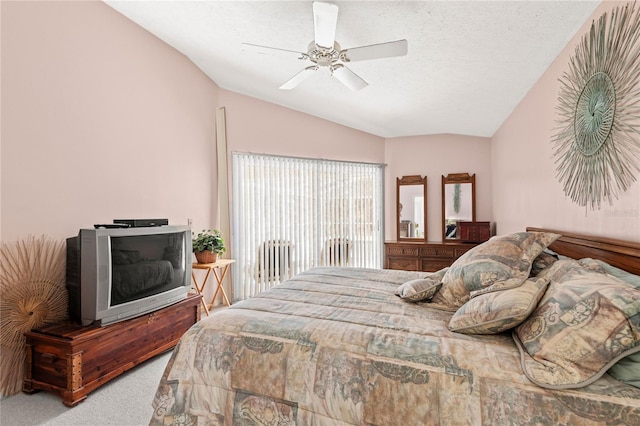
(469, 63)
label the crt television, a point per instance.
(119, 273)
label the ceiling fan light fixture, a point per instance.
(325, 52)
(323, 56)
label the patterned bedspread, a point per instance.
(335, 346)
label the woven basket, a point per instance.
(206, 256)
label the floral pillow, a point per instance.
(585, 322)
(627, 369)
(503, 262)
(422, 288)
(498, 311)
(600, 265)
(542, 262)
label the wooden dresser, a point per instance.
(421, 256)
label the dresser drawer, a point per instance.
(408, 264)
(460, 251)
(402, 251)
(438, 251)
(434, 265)
(428, 257)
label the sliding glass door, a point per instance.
(291, 214)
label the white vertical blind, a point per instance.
(291, 214)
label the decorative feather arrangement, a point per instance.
(32, 294)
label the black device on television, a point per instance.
(111, 225)
(136, 223)
(115, 274)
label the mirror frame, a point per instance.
(458, 178)
(411, 180)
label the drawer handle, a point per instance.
(50, 357)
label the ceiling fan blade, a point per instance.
(325, 20)
(376, 51)
(299, 78)
(265, 50)
(348, 78)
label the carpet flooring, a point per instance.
(124, 401)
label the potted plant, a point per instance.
(207, 245)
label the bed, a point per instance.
(352, 346)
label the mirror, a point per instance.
(412, 208)
(458, 202)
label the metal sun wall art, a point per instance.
(597, 146)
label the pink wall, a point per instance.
(256, 126)
(100, 120)
(434, 156)
(261, 127)
(525, 190)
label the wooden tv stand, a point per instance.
(72, 360)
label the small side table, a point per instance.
(219, 268)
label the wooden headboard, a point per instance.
(622, 254)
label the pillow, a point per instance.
(503, 262)
(598, 264)
(422, 288)
(419, 290)
(542, 262)
(585, 322)
(627, 370)
(498, 311)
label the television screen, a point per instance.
(144, 265)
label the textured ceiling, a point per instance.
(468, 65)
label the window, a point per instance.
(291, 214)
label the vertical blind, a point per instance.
(291, 214)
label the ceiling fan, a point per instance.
(325, 52)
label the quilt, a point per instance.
(336, 346)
